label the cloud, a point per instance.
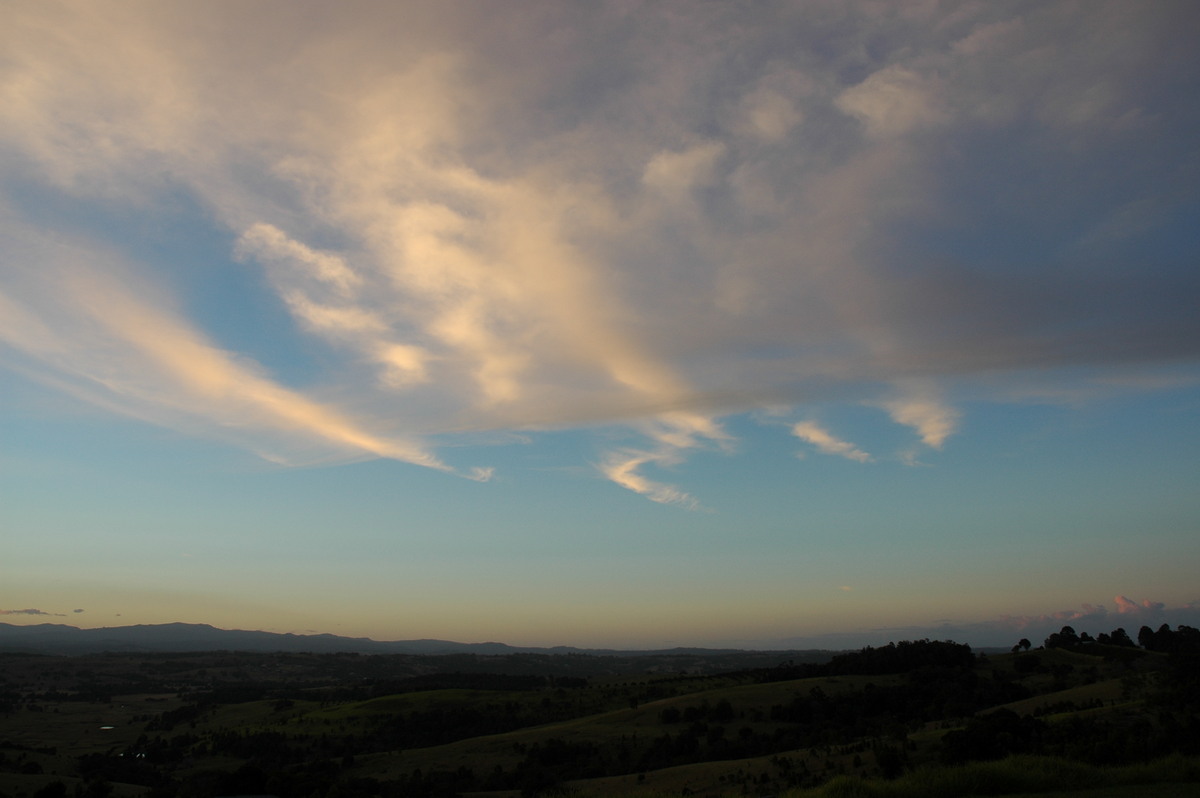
(270, 243)
(891, 102)
(1005, 630)
(688, 217)
(622, 468)
(1147, 607)
(933, 421)
(675, 173)
(29, 612)
(1092, 618)
(818, 436)
(76, 611)
(771, 110)
(131, 352)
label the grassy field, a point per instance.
(632, 725)
(752, 701)
(1108, 692)
(51, 736)
(1016, 777)
(967, 782)
(1025, 776)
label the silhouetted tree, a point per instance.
(1146, 638)
(1065, 638)
(1120, 637)
(1185, 639)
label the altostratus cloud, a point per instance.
(645, 231)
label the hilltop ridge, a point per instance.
(57, 638)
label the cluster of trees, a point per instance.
(902, 657)
(1067, 638)
(1185, 639)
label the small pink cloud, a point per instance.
(1129, 606)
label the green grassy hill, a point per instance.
(920, 718)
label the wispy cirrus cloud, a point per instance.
(115, 342)
(622, 467)
(662, 224)
(827, 443)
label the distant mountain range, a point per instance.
(57, 638)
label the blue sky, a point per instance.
(601, 324)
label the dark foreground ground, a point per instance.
(886, 721)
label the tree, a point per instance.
(1066, 638)
(1155, 641)
(1121, 638)
(1024, 643)
(1146, 638)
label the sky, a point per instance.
(601, 324)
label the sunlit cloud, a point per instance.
(622, 468)
(131, 352)
(827, 443)
(270, 243)
(1126, 606)
(932, 420)
(655, 234)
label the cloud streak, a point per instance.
(691, 214)
(105, 342)
(825, 442)
(622, 467)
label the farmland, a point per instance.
(225, 723)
